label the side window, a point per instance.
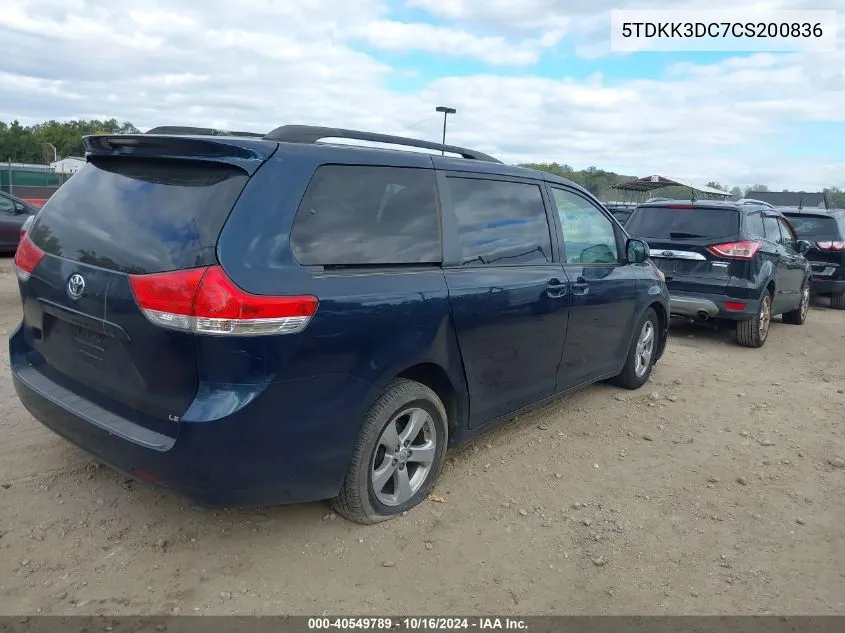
(588, 234)
(356, 215)
(754, 225)
(772, 229)
(788, 238)
(500, 223)
(6, 205)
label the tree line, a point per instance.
(35, 143)
(600, 183)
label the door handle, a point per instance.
(580, 286)
(556, 288)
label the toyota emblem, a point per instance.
(75, 286)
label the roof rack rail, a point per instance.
(181, 130)
(311, 134)
(754, 201)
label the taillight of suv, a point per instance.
(836, 245)
(27, 257)
(26, 224)
(736, 250)
(205, 301)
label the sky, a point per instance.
(532, 80)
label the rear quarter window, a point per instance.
(669, 223)
(364, 215)
(140, 215)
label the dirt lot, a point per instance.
(714, 489)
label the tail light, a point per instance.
(206, 301)
(736, 250)
(27, 257)
(27, 223)
(832, 246)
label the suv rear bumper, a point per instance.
(279, 446)
(706, 306)
(827, 286)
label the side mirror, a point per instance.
(19, 208)
(802, 246)
(636, 251)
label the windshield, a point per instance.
(678, 224)
(814, 226)
(140, 215)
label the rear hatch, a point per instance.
(827, 242)
(679, 236)
(136, 209)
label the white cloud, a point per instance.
(494, 50)
(256, 64)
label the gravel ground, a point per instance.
(716, 489)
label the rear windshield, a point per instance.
(140, 215)
(678, 224)
(814, 226)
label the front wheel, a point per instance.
(398, 454)
(641, 355)
(753, 332)
(799, 314)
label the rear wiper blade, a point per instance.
(680, 235)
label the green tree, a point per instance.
(32, 144)
(835, 197)
(756, 188)
(736, 193)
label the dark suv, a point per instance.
(729, 262)
(825, 231)
(268, 320)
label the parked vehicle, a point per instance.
(728, 261)
(257, 321)
(13, 213)
(825, 231)
(620, 210)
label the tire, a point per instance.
(799, 314)
(837, 302)
(754, 332)
(636, 372)
(401, 402)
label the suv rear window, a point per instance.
(362, 215)
(670, 224)
(140, 215)
(814, 226)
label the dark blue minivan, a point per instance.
(265, 319)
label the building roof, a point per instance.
(24, 166)
(791, 198)
(651, 183)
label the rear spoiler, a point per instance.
(248, 154)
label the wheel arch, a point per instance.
(436, 378)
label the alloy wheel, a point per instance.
(404, 456)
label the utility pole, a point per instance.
(55, 153)
(446, 112)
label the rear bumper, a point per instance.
(827, 286)
(706, 306)
(282, 444)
